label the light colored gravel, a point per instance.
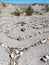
(34, 25)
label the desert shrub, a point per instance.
(42, 4)
(46, 5)
(34, 4)
(47, 9)
(3, 4)
(16, 13)
(29, 11)
(36, 12)
(40, 13)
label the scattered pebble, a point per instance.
(17, 51)
(23, 29)
(43, 41)
(31, 45)
(3, 45)
(12, 55)
(40, 32)
(22, 48)
(20, 38)
(6, 46)
(47, 56)
(21, 53)
(44, 59)
(34, 45)
(23, 23)
(30, 36)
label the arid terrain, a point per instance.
(20, 28)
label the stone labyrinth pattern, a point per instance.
(23, 33)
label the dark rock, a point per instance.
(42, 59)
(30, 36)
(44, 56)
(31, 45)
(23, 23)
(23, 29)
(20, 38)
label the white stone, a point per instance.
(22, 48)
(43, 41)
(3, 45)
(12, 55)
(24, 13)
(47, 56)
(6, 46)
(17, 51)
(21, 53)
(45, 59)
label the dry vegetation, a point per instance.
(30, 10)
(46, 8)
(16, 13)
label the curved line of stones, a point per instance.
(12, 37)
(30, 36)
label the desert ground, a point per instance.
(36, 27)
